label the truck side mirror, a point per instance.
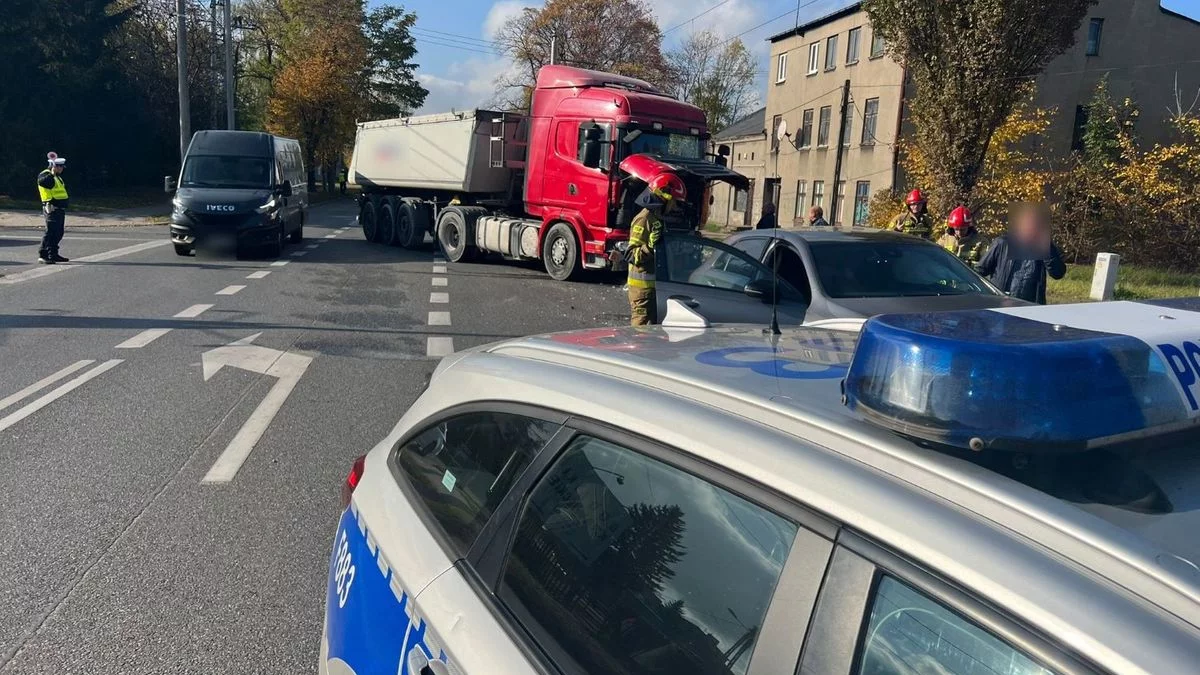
(591, 146)
(168, 183)
(722, 158)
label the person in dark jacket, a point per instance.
(1019, 261)
(768, 221)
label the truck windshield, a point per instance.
(226, 171)
(685, 146)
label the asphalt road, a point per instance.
(116, 555)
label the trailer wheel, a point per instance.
(418, 223)
(368, 218)
(452, 235)
(387, 223)
(560, 252)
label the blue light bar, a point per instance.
(990, 380)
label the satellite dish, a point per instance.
(781, 130)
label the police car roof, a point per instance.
(791, 384)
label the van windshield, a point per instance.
(225, 171)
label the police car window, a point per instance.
(462, 468)
(623, 564)
(909, 634)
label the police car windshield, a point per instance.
(684, 146)
(868, 269)
(225, 171)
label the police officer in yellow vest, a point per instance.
(662, 194)
(54, 205)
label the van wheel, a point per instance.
(386, 233)
(275, 248)
(184, 249)
(368, 217)
(452, 235)
(297, 234)
(560, 253)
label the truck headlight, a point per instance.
(268, 207)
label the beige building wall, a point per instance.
(806, 166)
(1142, 48)
(748, 156)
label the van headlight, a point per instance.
(179, 208)
(268, 207)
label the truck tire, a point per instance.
(387, 222)
(453, 235)
(406, 234)
(560, 252)
(368, 219)
(418, 216)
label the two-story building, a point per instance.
(748, 151)
(841, 99)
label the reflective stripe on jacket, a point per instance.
(644, 235)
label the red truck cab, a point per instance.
(642, 130)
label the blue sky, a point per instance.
(459, 64)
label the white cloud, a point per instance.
(727, 18)
(501, 12)
(465, 84)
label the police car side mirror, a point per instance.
(168, 183)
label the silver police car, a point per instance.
(1003, 492)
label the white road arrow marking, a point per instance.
(285, 366)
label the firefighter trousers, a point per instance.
(643, 306)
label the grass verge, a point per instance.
(1133, 283)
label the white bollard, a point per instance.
(1104, 279)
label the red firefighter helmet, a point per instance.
(668, 186)
(915, 197)
(960, 218)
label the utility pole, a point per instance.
(229, 83)
(841, 146)
(553, 44)
(185, 122)
(212, 61)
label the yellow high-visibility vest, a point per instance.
(58, 192)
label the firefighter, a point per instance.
(661, 196)
(962, 239)
(53, 193)
(915, 220)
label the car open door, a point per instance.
(722, 283)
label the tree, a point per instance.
(390, 71)
(1106, 123)
(965, 59)
(716, 75)
(616, 36)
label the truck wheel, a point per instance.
(387, 223)
(560, 252)
(412, 225)
(452, 235)
(368, 217)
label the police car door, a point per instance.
(722, 283)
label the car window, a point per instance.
(752, 246)
(703, 262)
(629, 565)
(877, 269)
(910, 634)
(791, 268)
(462, 467)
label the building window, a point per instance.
(831, 52)
(819, 193)
(852, 41)
(1095, 28)
(823, 129)
(1081, 120)
(781, 68)
(841, 204)
(814, 57)
(739, 200)
(801, 197)
(806, 129)
(870, 117)
(752, 157)
(847, 125)
(877, 46)
(739, 156)
(775, 122)
(862, 201)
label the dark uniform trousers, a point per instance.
(56, 219)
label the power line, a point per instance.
(456, 36)
(684, 23)
(453, 41)
(771, 20)
(432, 41)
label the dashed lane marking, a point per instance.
(439, 269)
(439, 346)
(47, 270)
(44, 382)
(280, 263)
(193, 311)
(439, 319)
(297, 254)
(331, 236)
(439, 298)
(440, 281)
(143, 338)
(258, 275)
(230, 290)
(311, 246)
(57, 393)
